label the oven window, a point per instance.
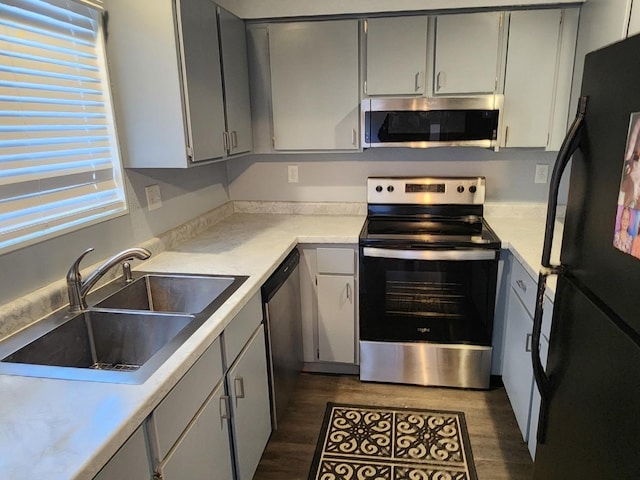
(435, 301)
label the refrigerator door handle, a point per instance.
(570, 144)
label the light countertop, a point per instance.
(60, 429)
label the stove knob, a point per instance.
(460, 189)
(379, 188)
(390, 188)
(472, 189)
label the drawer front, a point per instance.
(336, 260)
(239, 331)
(524, 286)
(175, 412)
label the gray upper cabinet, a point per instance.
(236, 83)
(314, 85)
(538, 77)
(467, 53)
(202, 80)
(396, 55)
(166, 72)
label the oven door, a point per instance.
(438, 296)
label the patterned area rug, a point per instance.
(360, 442)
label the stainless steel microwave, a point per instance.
(422, 122)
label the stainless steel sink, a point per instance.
(169, 293)
(133, 330)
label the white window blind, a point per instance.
(59, 161)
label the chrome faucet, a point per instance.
(78, 289)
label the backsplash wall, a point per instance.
(342, 177)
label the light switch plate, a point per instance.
(154, 199)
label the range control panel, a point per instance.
(426, 190)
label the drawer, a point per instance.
(239, 331)
(336, 260)
(524, 286)
(177, 409)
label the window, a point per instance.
(60, 167)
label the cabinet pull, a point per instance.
(234, 139)
(238, 386)
(225, 140)
(441, 78)
(354, 137)
(224, 408)
(506, 135)
(349, 295)
(522, 285)
(527, 343)
(418, 81)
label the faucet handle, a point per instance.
(73, 275)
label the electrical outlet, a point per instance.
(292, 173)
(542, 173)
(154, 199)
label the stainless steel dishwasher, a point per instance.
(281, 304)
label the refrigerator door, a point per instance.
(611, 79)
(593, 423)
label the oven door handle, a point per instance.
(449, 255)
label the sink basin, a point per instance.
(169, 293)
(125, 337)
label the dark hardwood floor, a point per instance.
(498, 449)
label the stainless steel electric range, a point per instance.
(428, 274)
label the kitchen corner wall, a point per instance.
(185, 195)
(343, 177)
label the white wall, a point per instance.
(342, 177)
(185, 194)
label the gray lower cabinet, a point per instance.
(203, 452)
(249, 393)
(329, 305)
(130, 462)
(517, 370)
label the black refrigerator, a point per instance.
(589, 425)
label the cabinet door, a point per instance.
(236, 82)
(336, 318)
(634, 19)
(517, 372)
(530, 77)
(130, 462)
(535, 401)
(396, 55)
(467, 53)
(202, 78)
(314, 85)
(248, 385)
(203, 452)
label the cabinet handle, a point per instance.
(506, 135)
(238, 386)
(224, 407)
(225, 140)
(522, 285)
(354, 137)
(527, 343)
(418, 81)
(234, 139)
(441, 78)
(349, 295)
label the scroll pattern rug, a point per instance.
(379, 443)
